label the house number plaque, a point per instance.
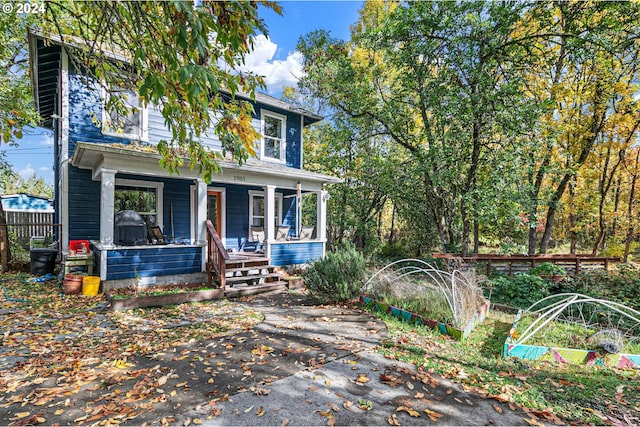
(239, 178)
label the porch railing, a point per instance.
(216, 256)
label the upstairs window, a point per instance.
(273, 136)
(130, 124)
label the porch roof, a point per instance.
(145, 161)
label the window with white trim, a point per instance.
(144, 197)
(256, 208)
(133, 124)
(273, 136)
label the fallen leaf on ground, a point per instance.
(433, 415)
(393, 420)
(502, 397)
(362, 379)
(262, 350)
(365, 405)
(497, 408)
(409, 411)
(390, 380)
(334, 407)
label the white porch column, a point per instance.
(321, 231)
(269, 217)
(200, 219)
(107, 205)
(201, 212)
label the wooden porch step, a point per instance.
(242, 270)
(270, 287)
(251, 278)
(242, 259)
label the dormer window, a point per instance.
(132, 124)
(273, 136)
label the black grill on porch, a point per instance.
(129, 229)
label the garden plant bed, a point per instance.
(561, 352)
(159, 296)
(294, 282)
(444, 328)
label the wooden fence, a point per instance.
(22, 226)
(512, 264)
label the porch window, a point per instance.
(274, 136)
(144, 197)
(256, 208)
(130, 124)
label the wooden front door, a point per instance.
(214, 209)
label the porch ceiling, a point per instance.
(96, 157)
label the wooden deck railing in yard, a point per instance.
(511, 264)
(216, 256)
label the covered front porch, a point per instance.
(240, 200)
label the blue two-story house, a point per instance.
(100, 172)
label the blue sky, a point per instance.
(275, 57)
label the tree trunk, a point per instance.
(343, 217)
(393, 224)
(435, 207)
(573, 219)
(534, 196)
(465, 228)
(631, 202)
(616, 207)
(5, 249)
(470, 184)
(476, 235)
(598, 120)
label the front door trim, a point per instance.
(223, 209)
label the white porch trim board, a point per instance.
(201, 213)
(321, 219)
(103, 264)
(201, 217)
(253, 173)
(269, 217)
(107, 206)
(63, 147)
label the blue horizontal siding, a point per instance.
(85, 116)
(289, 209)
(237, 214)
(157, 261)
(295, 253)
(84, 205)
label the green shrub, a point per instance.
(338, 276)
(622, 286)
(520, 290)
(395, 250)
(548, 269)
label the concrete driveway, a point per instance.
(344, 381)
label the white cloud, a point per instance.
(44, 169)
(46, 141)
(26, 172)
(277, 73)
